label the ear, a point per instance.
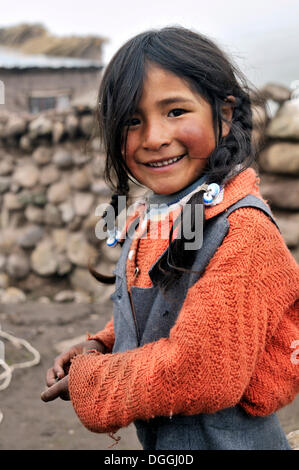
(227, 111)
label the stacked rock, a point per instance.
(278, 160)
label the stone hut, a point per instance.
(39, 71)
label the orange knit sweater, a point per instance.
(230, 344)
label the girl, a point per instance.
(199, 351)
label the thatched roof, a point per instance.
(35, 39)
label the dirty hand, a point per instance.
(59, 389)
(57, 379)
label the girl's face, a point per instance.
(171, 135)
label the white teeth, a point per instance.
(167, 162)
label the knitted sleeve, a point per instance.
(106, 336)
(210, 356)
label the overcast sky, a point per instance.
(262, 35)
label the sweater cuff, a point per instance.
(105, 336)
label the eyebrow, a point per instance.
(174, 99)
(171, 100)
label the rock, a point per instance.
(4, 281)
(275, 92)
(18, 265)
(12, 201)
(40, 126)
(58, 192)
(34, 214)
(64, 266)
(96, 145)
(108, 253)
(295, 253)
(289, 226)
(75, 224)
(60, 237)
(100, 188)
(44, 300)
(83, 203)
(65, 296)
(49, 175)
(63, 159)
(26, 175)
(8, 240)
(42, 155)
(43, 259)
(13, 295)
(71, 125)
(80, 179)
(31, 236)
(52, 215)
(81, 279)
(293, 439)
(87, 124)
(79, 251)
(88, 228)
(259, 116)
(82, 297)
(2, 262)
(281, 192)
(25, 143)
(81, 158)
(57, 132)
(6, 165)
(285, 124)
(15, 126)
(5, 182)
(281, 157)
(67, 211)
(98, 166)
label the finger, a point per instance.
(59, 389)
(58, 366)
(50, 393)
(50, 377)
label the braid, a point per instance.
(122, 190)
(235, 149)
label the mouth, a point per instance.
(162, 163)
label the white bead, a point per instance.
(214, 189)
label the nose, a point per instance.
(155, 136)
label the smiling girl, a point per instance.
(198, 353)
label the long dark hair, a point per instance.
(209, 72)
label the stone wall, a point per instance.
(278, 160)
(51, 181)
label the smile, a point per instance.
(165, 162)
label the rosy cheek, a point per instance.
(199, 141)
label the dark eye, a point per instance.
(132, 122)
(177, 112)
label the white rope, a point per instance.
(6, 375)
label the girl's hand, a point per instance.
(59, 389)
(56, 378)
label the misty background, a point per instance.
(261, 37)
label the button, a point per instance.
(130, 255)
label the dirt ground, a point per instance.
(30, 424)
